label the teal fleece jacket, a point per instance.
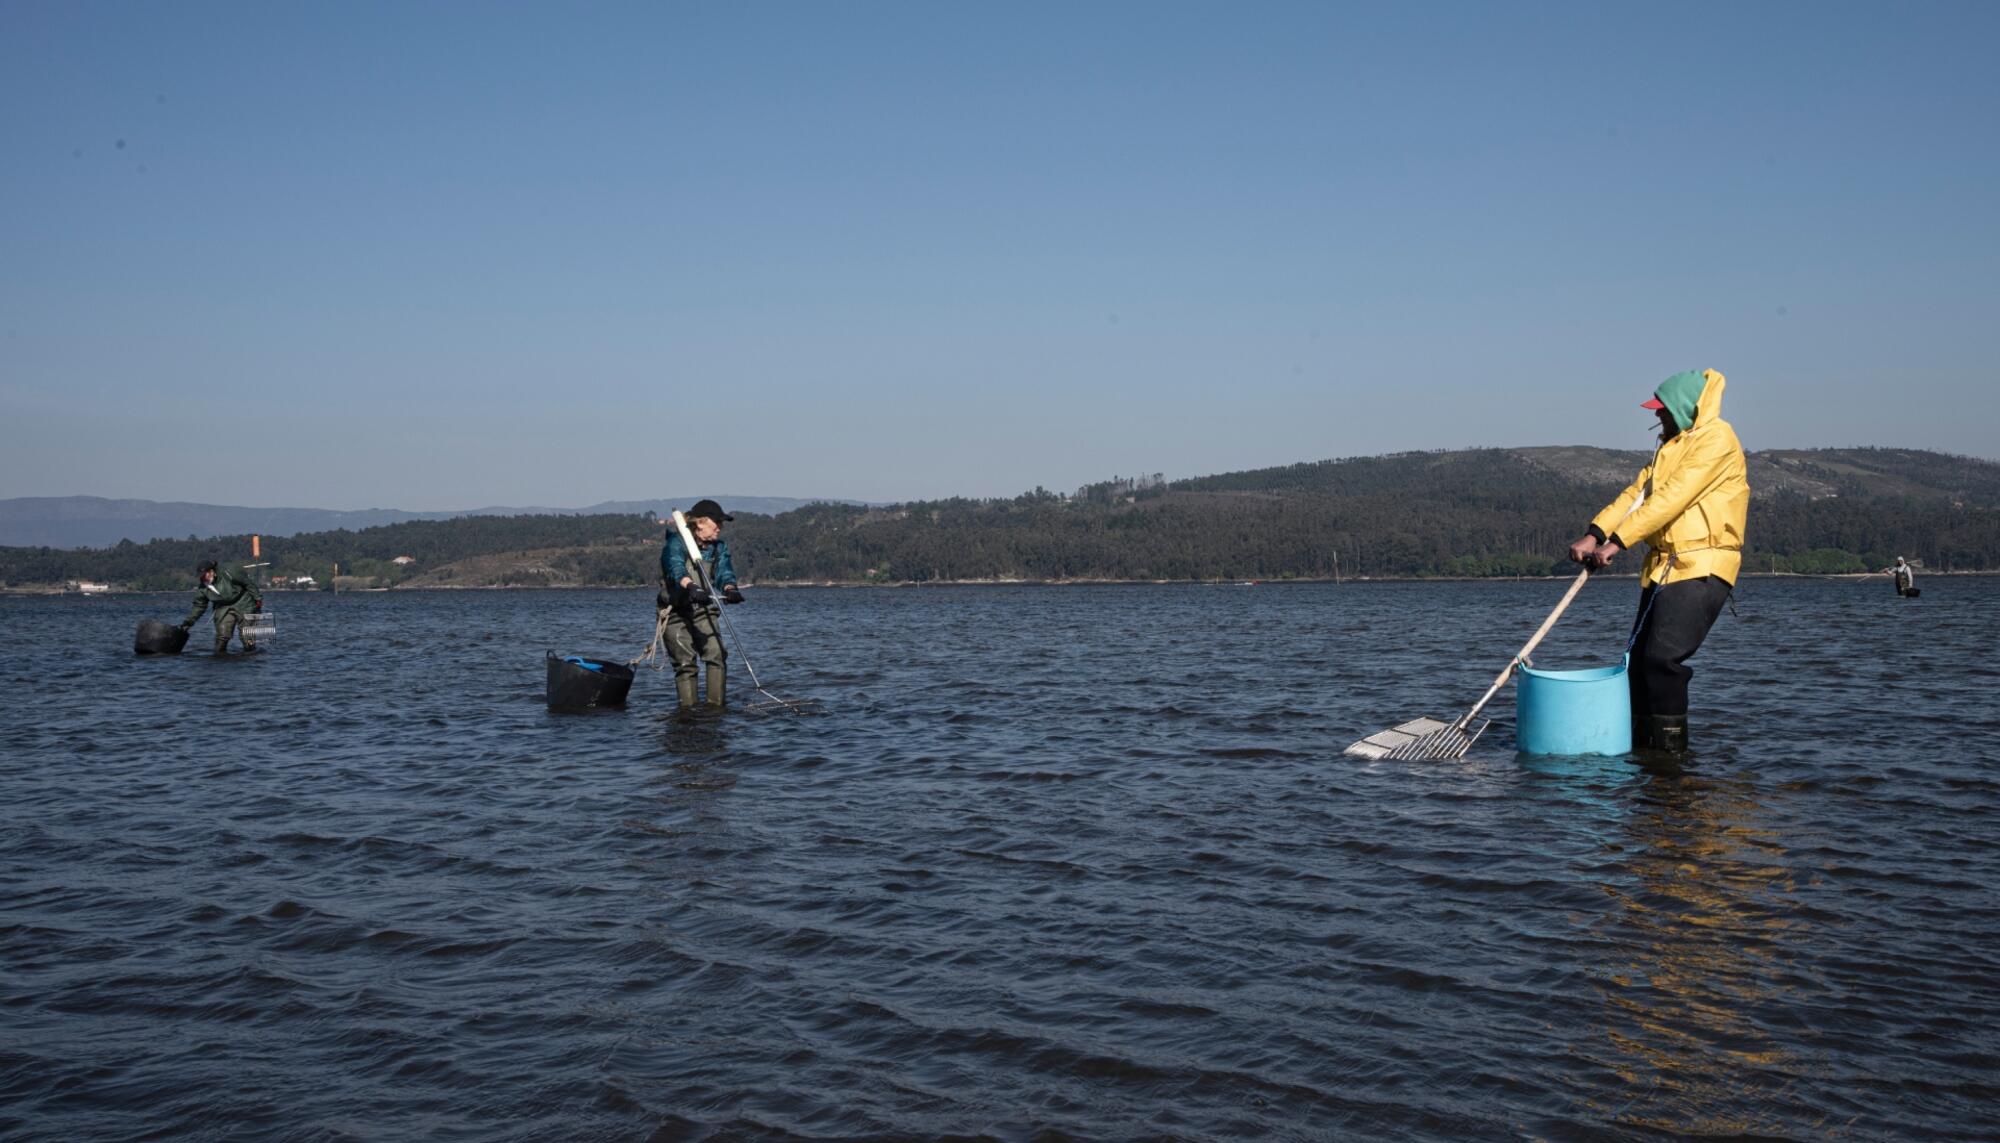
(674, 565)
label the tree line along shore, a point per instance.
(1471, 514)
(1630, 573)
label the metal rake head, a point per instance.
(1419, 740)
(772, 704)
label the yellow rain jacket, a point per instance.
(1697, 491)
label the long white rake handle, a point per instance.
(1535, 640)
(694, 549)
(1528, 649)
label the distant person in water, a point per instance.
(1688, 506)
(1905, 577)
(689, 610)
(233, 596)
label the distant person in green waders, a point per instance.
(1905, 576)
(233, 596)
(691, 612)
(1696, 497)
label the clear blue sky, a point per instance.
(446, 255)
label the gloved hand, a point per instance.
(730, 594)
(256, 605)
(699, 596)
(186, 624)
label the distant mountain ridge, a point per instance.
(98, 522)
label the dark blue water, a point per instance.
(1056, 863)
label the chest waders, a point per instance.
(687, 635)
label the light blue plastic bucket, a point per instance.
(1573, 712)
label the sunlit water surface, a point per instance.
(1055, 863)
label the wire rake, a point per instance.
(1430, 739)
(1418, 740)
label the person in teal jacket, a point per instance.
(690, 611)
(234, 598)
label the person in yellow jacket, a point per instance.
(1688, 507)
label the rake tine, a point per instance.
(1439, 745)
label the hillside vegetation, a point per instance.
(95, 522)
(1477, 512)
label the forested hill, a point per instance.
(1477, 512)
(93, 521)
(1866, 473)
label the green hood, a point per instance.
(1681, 394)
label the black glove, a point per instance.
(187, 624)
(698, 595)
(730, 594)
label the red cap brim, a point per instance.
(1652, 404)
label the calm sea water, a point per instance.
(1055, 863)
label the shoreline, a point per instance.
(278, 593)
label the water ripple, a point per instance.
(1055, 864)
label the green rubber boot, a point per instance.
(684, 688)
(1667, 733)
(718, 686)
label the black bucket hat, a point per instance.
(710, 509)
(204, 566)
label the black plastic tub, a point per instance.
(581, 682)
(157, 638)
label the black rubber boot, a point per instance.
(718, 686)
(684, 688)
(1667, 733)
